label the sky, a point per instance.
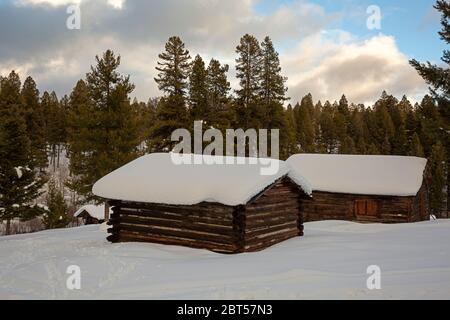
(326, 47)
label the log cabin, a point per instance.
(384, 189)
(215, 203)
(91, 214)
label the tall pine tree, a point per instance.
(248, 72)
(56, 215)
(218, 90)
(198, 91)
(438, 77)
(273, 93)
(35, 120)
(106, 134)
(174, 67)
(20, 179)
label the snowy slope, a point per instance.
(361, 174)
(330, 262)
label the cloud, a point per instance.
(326, 63)
(37, 34)
(118, 4)
(329, 67)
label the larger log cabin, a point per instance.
(386, 189)
(228, 208)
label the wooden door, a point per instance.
(366, 207)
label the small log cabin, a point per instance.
(91, 214)
(386, 189)
(224, 207)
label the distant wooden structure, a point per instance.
(233, 224)
(90, 214)
(386, 189)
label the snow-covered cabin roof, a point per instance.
(361, 174)
(94, 211)
(155, 178)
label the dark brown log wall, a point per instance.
(270, 218)
(208, 226)
(420, 205)
(273, 217)
(362, 208)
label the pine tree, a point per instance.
(273, 89)
(218, 89)
(56, 215)
(272, 93)
(382, 127)
(79, 122)
(54, 124)
(373, 150)
(290, 146)
(327, 129)
(248, 72)
(104, 130)
(416, 148)
(20, 179)
(397, 112)
(438, 76)
(174, 68)
(357, 129)
(198, 91)
(361, 146)
(146, 117)
(343, 109)
(64, 107)
(304, 124)
(411, 123)
(347, 146)
(35, 120)
(438, 167)
(340, 123)
(430, 123)
(439, 80)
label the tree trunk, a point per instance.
(59, 151)
(8, 227)
(106, 211)
(448, 187)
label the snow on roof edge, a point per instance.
(376, 175)
(133, 175)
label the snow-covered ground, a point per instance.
(330, 262)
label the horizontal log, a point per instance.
(217, 219)
(273, 235)
(251, 233)
(270, 221)
(212, 209)
(177, 232)
(176, 218)
(271, 206)
(180, 224)
(126, 235)
(276, 199)
(257, 246)
(257, 215)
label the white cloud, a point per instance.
(118, 4)
(329, 67)
(316, 59)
